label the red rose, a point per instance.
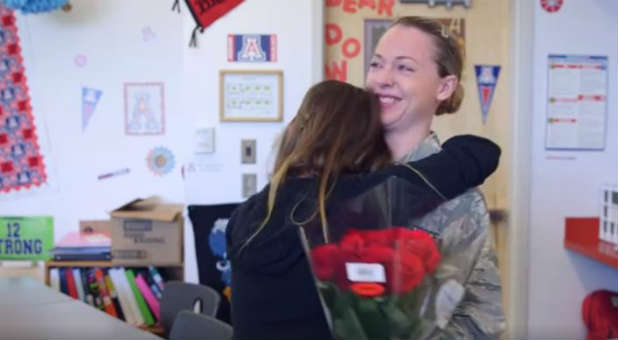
(417, 234)
(405, 272)
(421, 244)
(352, 244)
(406, 256)
(377, 254)
(382, 237)
(326, 261)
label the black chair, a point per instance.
(190, 326)
(182, 296)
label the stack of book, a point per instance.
(130, 294)
(77, 246)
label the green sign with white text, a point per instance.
(26, 238)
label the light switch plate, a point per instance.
(248, 151)
(249, 185)
(204, 141)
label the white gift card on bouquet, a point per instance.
(365, 272)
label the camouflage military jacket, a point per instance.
(468, 301)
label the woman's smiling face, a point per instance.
(404, 75)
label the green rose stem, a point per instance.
(346, 323)
(371, 316)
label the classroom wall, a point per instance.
(217, 176)
(567, 183)
(110, 34)
(145, 41)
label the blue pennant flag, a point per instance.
(486, 80)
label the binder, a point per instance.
(154, 288)
(143, 308)
(123, 298)
(122, 277)
(107, 300)
(86, 288)
(71, 283)
(63, 281)
(113, 294)
(78, 284)
(156, 276)
(93, 286)
(148, 296)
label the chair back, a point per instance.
(189, 326)
(178, 296)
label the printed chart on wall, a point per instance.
(576, 103)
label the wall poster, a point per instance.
(576, 114)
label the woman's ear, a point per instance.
(447, 87)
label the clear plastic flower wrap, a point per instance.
(376, 272)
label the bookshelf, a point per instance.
(168, 271)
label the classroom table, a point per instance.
(31, 310)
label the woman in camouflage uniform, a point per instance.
(415, 71)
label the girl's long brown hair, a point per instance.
(337, 130)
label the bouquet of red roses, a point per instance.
(375, 270)
(373, 282)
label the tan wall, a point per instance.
(487, 30)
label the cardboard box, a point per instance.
(96, 226)
(147, 231)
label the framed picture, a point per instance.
(431, 3)
(374, 29)
(252, 48)
(144, 112)
(251, 96)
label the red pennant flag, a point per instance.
(205, 12)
